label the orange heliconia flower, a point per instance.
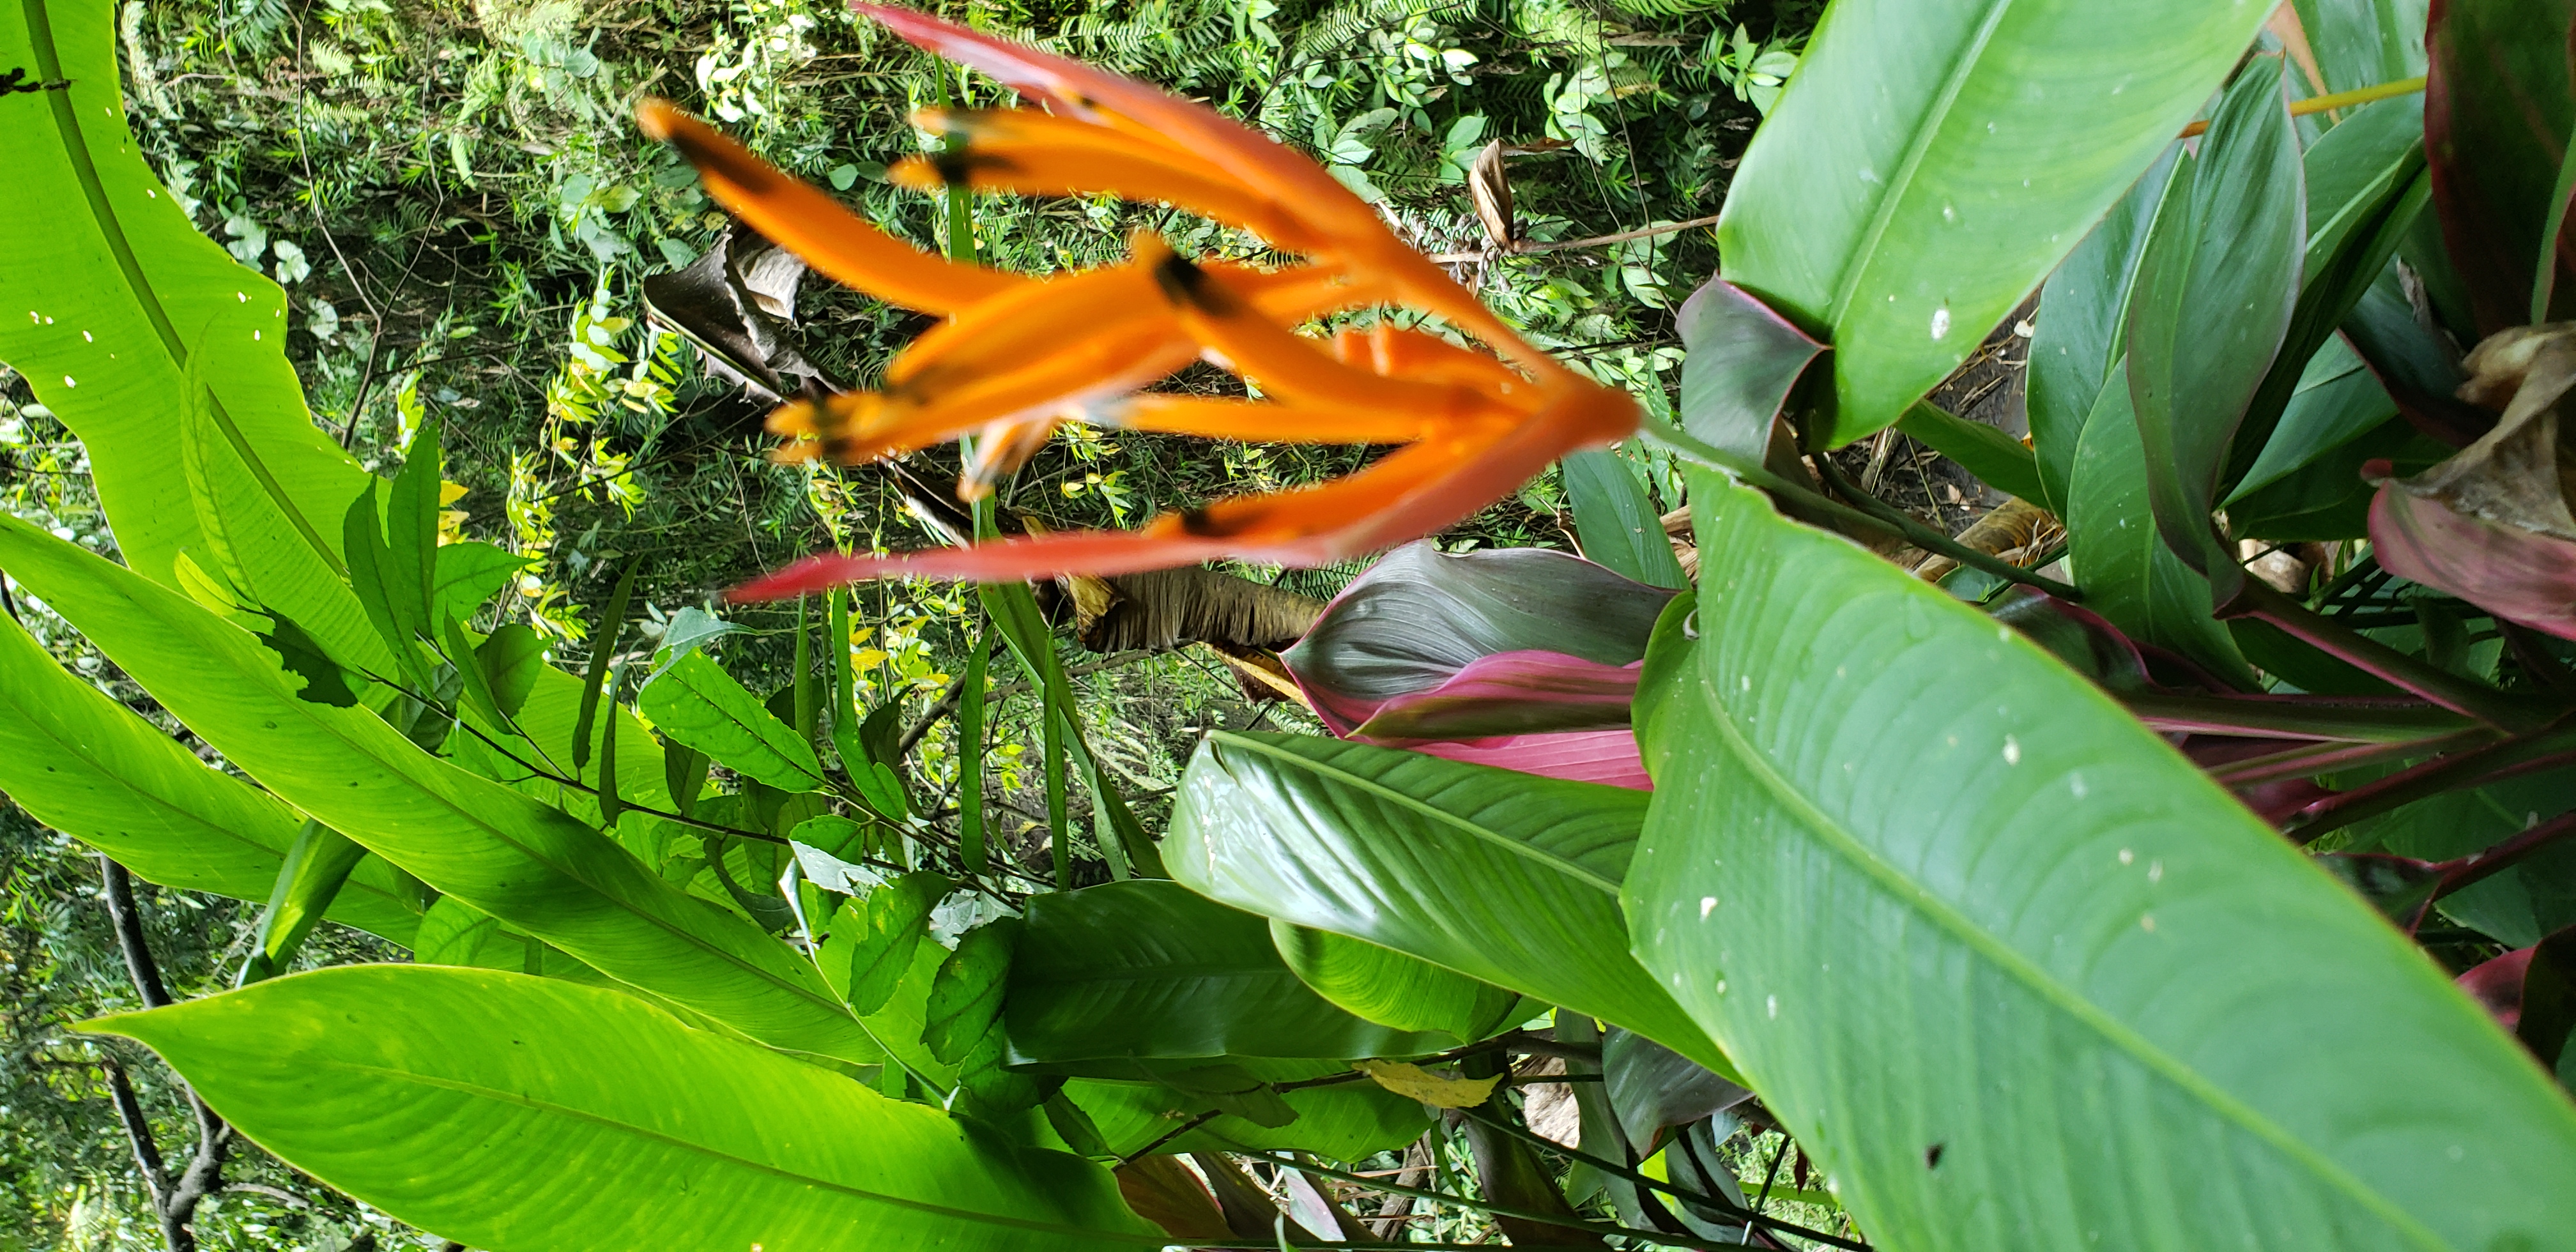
(1019, 355)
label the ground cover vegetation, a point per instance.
(2048, 727)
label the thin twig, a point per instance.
(1732, 1211)
(1526, 249)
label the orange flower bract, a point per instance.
(1018, 355)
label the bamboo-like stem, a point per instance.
(2339, 100)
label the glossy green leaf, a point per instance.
(1151, 969)
(603, 650)
(1504, 877)
(462, 1101)
(966, 998)
(108, 288)
(881, 933)
(505, 853)
(1997, 459)
(2081, 326)
(2215, 290)
(259, 545)
(1617, 520)
(2336, 402)
(511, 659)
(317, 866)
(89, 767)
(2363, 43)
(411, 528)
(466, 575)
(1932, 160)
(2017, 973)
(1390, 988)
(1345, 1122)
(1014, 613)
(362, 538)
(2519, 905)
(2120, 559)
(695, 702)
(2367, 187)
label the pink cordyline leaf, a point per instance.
(1520, 658)
(1597, 756)
(2514, 573)
(1511, 693)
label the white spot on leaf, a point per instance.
(1771, 1005)
(1706, 905)
(2012, 750)
(1941, 322)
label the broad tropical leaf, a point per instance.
(2028, 920)
(1617, 520)
(2363, 43)
(1932, 160)
(1504, 877)
(110, 290)
(514, 1112)
(2082, 326)
(696, 703)
(1149, 969)
(2128, 573)
(507, 854)
(1390, 988)
(89, 767)
(2215, 289)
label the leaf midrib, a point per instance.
(498, 1096)
(1400, 800)
(155, 800)
(1849, 847)
(1901, 180)
(111, 229)
(759, 733)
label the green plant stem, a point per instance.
(2312, 759)
(1304, 1164)
(2459, 770)
(2358, 720)
(2260, 601)
(1733, 1212)
(1676, 441)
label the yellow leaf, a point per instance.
(1437, 1090)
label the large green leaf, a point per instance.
(2082, 321)
(696, 703)
(1346, 1121)
(1931, 160)
(109, 290)
(2215, 289)
(2362, 43)
(513, 1112)
(1617, 520)
(505, 853)
(1147, 968)
(1508, 878)
(2018, 974)
(1390, 988)
(87, 766)
(2120, 559)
